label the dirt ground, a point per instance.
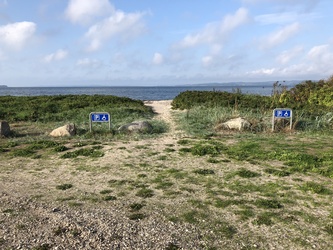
(35, 215)
(131, 198)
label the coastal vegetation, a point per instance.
(75, 108)
(311, 103)
(45, 112)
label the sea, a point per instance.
(134, 92)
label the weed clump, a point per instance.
(64, 186)
(136, 207)
(110, 198)
(263, 203)
(60, 148)
(204, 171)
(137, 216)
(329, 229)
(24, 152)
(42, 247)
(184, 142)
(264, 219)
(245, 173)
(88, 152)
(43, 144)
(276, 172)
(145, 193)
(172, 246)
(207, 149)
(105, 191)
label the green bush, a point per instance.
(190, 99)
(74, 107)
(314, 97)
(311, 103)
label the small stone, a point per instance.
(55, 210)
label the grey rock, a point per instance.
(136, 127)
(4, 128)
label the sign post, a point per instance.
(99, 117)
(282, 113)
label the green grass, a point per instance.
(245, 173)
(225, 229)
(315, 188)
(78, 107)
(23, 152)
(265, 218)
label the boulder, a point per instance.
(66, 130)
(136, 127)
(236, 123)
(4, 128)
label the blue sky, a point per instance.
(160, 42)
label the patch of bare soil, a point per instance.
(164, 112)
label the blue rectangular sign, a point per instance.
(282, 113)
(100, 117)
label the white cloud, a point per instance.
(289, 2)
(2, 56)
(57, 56)
(302, 6)
(277, 18)
(90, 63)
(207, 61)
(217, 31)
(16, 35)
(283, 18)
(120, 24)
(321, 57)
(280, 35)
(158, 59)
(263, 71)
(318, 62)
(287, 55)
(320, 53)
(84, 11)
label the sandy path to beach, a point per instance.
(164, 112)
